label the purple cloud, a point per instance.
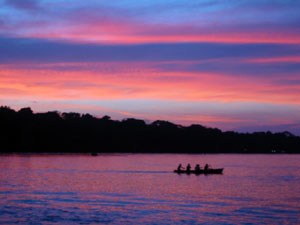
(22, 49)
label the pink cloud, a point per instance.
(140, 81)
(292, 59)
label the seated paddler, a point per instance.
(179, 168)
(206, 167)
(197, 168)
(188, 168)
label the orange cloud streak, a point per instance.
(140, 82)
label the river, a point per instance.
(142, 189)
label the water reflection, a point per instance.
(141, 189)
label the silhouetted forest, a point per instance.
(25, 131)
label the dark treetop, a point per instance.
(25, 131)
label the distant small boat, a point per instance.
(94, 154)
(208, 171)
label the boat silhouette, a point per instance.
(208, 171)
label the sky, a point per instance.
(234, 65)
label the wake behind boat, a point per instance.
(208, 171)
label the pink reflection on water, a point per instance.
(142, 188)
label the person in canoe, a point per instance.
(179, 168)
(188, 168)
(206, 167)
(197, 168)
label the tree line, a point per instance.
(25, 131)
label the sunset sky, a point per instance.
(229, 64)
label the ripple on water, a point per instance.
(85, 191)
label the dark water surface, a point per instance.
(141, 189)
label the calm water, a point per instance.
(141, 189)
